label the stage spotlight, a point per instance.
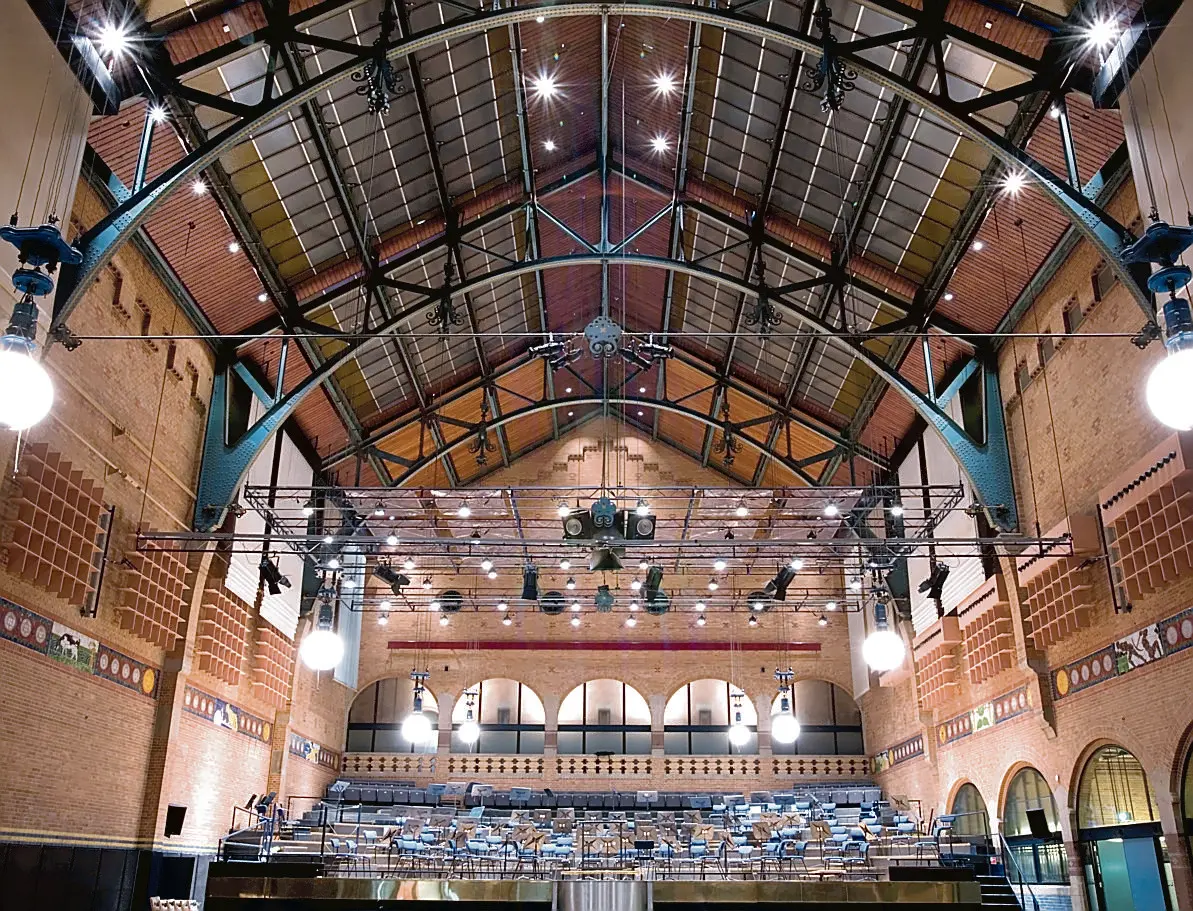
(391, 577)
(933, 586)
(654, 579)
(777, 587)
(603, 559)
(530, 583)
(272, 576)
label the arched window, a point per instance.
(830, 721)
(970, 809)
(604, 716)
(1123, 857)
(697, 717)
(510, 715)
(1039, 854)
(375, 719)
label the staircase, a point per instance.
(997, 892)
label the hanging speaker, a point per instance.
(603, 559)
(451, 601)
(530, 583)
(552, 603)
(637, 528)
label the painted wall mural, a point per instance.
(899, 753)
(226, 715)
(1151, 643)
(984, 716)
(314, 752)
(68, 647)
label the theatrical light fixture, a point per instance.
(570, 584)
(417, 727)
(699, 606)
(664, 84)
(654, 583)
(464, 511)
(443, 621)
(822, 620)
(391, 540)
(896, 509)
(739, 734)
(391, 577)
(933, 586)
(530, 584)
(565, 564)
(713, 585)
(1169, 383)
(491, 574)
(883, 649)
(741, 512)
(469, 731)
(113, 40)
(408, 563)
(700, 621)
(783, 726)
(544, 86)
(642, 509)
(636, 585)
(322, 648)
(603, 559)
(719, 565)
(631, 622)
(426, 583)
(564, 510)
(271, 576)
(575, 621)
(486, 564)
(777, 587)
(831, 510)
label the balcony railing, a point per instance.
(669, 772)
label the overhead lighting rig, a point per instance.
(558, 353)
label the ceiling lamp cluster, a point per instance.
(417, 727)
(784, 728)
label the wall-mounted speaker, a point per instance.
(174, 818)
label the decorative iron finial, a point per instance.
(763, 314)
(482, 446)
(830, 73)
(380, 80)
(728, 445)
(445, 315)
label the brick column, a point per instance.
(1182, 871)
(658, 705)
(1076, 876)
(550, 725)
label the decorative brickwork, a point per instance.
(223, 637)
(1059, 587)
(58, 525)
(989, 638)
(936, 662)
(273, 665)
(1148, 515)
(152, 596)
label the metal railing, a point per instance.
(1015, 876)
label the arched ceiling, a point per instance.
(701, 145)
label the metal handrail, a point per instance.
(1007, 854)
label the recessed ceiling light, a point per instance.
(262, 297)
(831, 510)
(157, 114)
(1014, 183)
(568, 390)
(631, 622)
(660, 143)
(640, 412)
(664, 84)
(719, 565)
(549, 145)
(198, 188)
(391, 540)
(977, 245)
(948, 295)
(544, 86)
(540, 19)
(234, 247)
(113, 40)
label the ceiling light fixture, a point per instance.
(544, 86)
(564, 510)
(797, 564)
(1014, 182)
(660, 144)
(977, 246)
(784, 728)
(700, 621)
(540, 19)
(631, 622)
(1101, 33)
(417, 727)
(427, 584)
(739, 734)
(830, 605)
(469, 731)
(113, 40)
(322, 648)
(549, 145)
(575, 621)
(883, 649)
(1168, 384)
(636, 585)
(502, 606)
(831, 510)
(391, 540)
(643, 508)
(198, 188)
(719, 565)
(157, 114)
(699, 606)
(896, 509)
(486, 564)
(741, 512)
(234, 247)
(948, 295)
(464, 511)
(713, 585)
(664, 84)
(443, 621)
(492, 574)
(433, 606)
(822, 620)
(507, 620)
(570, 584)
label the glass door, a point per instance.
(1125, 875)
